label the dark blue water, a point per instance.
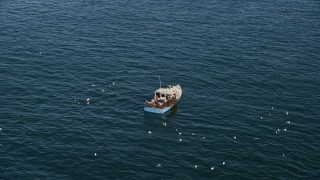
(236, 61)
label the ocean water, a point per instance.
(242, 66)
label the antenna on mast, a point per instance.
(160, 81)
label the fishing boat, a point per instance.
(164, 99)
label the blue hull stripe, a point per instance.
(157, 110)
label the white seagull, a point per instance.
(88, 101)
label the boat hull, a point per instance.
(157, 110)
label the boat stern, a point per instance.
(156, 110)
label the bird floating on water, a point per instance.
(212, 168)
(164, 124)
(113, 83)
(261, 117)
(195, 166)
(192, 134)
(149, 132)
(287, 113)
(88, 101)
(180, 140)
(158, 165)
(180, 133)
(288, 122)
(223, 163)
(203, 137)
(285, 129)
(234, 137)
(272, 108)
(95, 154)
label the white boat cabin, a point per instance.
(164, 94)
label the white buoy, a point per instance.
(95, 154)
(180, 140)
(212, 168)
(195, 166)
(223, 163)
(149, 132)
